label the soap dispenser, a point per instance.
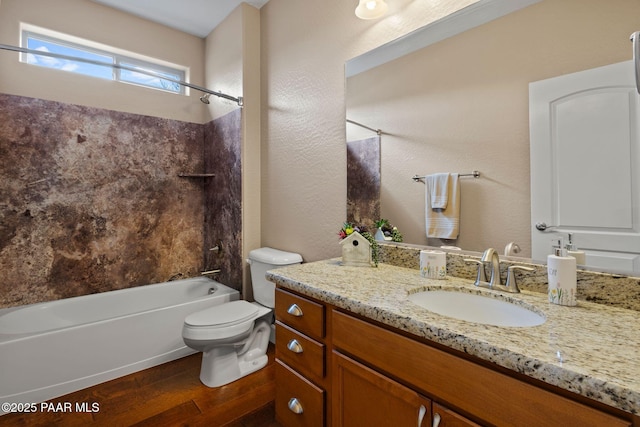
(562, 276)
(574, 252)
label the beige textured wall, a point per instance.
(251, 139)
(233, 67)
(89, 20)
(223, 63)
(462, 105)
(304, 48)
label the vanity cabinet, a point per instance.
(301, 366)
(483, 395)
(337, 368)
(364, 397)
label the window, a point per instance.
(118, 66)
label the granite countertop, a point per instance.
(590, 349)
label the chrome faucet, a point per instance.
(490, 255)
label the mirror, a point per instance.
(462, 104)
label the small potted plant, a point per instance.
(387, 232)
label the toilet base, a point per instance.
(227, 363)
(229, 372)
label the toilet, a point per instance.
(234, 336)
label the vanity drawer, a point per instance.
(302, 353)
(298, 401)
(300, 313)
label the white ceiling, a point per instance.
(197, 17)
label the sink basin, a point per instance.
(476, 308)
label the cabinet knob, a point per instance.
(294, 310)
(295, 406)
(295, 346)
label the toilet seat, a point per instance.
(221, 315)
(222, 321)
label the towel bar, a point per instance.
(475, 174)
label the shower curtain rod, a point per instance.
(237, 100)
(378, 131)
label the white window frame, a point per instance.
(118, 56)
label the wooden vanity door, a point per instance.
(364, 397)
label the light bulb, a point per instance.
(371, 9)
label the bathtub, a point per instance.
(50, 349)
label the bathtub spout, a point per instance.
(176, 276)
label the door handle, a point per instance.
(636, 57)
(542, 226)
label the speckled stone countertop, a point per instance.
(591, 349)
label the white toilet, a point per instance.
(234, 336)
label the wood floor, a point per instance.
(167, 395)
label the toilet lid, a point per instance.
(223, 315)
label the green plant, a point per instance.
(375, 249)
(381, 223)
(396, 236)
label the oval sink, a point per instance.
(476, 308)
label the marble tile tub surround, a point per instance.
(610, 289)
(590, 350)
(363, 180)
(91, 200)
(223, 198)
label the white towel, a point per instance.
(444, 223)
(438, 187)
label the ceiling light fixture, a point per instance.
(371, 9)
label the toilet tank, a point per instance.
(261, 260)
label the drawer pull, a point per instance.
(294, 310)
(421, 413)
(436, 419)
(295, 406)
(295, 346)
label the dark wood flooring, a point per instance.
(166, 395)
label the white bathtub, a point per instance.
(54, 348)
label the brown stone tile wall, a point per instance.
(223, 196)
(91, 201)
(363, 181)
